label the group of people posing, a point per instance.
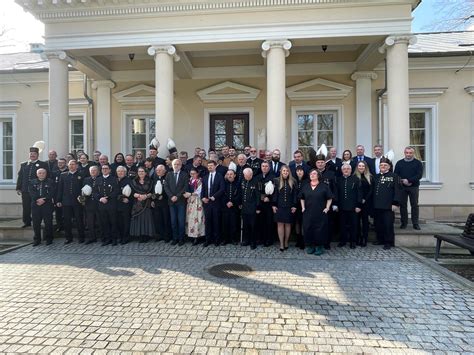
(221, 198)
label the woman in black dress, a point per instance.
(367, 187)
(284, 205)
(141, 224)
(299, 182)
(316, 198)
(119, 160)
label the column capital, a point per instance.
(278, 43)
(364, 75)
(166, 48)
(103, 83)
(61, 55)
(390, 41)
(469, 90)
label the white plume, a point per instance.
(232, 166)
(158, 188)
(390, 155)
(86, 190)
(171, 144)
(323, 150)
(155, 143)
(127, 190)
(40, 145)
(269, 188)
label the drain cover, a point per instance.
(230, 271)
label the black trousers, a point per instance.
(123, 224)
(384, 220)
(75, 211)
(412, 193)
(249, 236)
(43, 213)
(265, 224)
(26, 204)
(108, 223)
(230, 225)
(363, 225)
(212, 222)
(161, 215)
(58, 212)
(92, 223)
(332, 218)
(348, 226)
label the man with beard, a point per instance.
(253, 161)
(276, 164)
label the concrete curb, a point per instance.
(452, 276)
(4, 251)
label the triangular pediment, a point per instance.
(228, 91)
(318, 89)
(136, 94)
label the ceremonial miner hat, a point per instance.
(154, 144)
(171, 146)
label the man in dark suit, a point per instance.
(153, 151)
(106, 192)
(196, 164)
(264, 222)
(176, 182)
(334, 163)
(27, 174)
(92, 206)
(69, 189)
(161, 210)
(253, 161)
(52, 162)
(298, 161)
(360, 156)
(275, 163)
(211, 195)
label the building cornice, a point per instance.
(469, 90)
(10, 104)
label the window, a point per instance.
(141, 130)
(76, 133)
(316, 128)
(6, 142)
(420, 138)
(229, 129)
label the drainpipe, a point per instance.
(380, 106)
(91, 114)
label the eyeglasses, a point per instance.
(253, 151)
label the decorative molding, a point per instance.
(434, 63)
(211, 95)
(364, 75)
(103, 83)
(471, 184)
(280, 43)
(72, 102)
(390, 41)
(340, 91)
(424, 92)
(124, 97)
(427, 185)
(469, 90)
(61, 55)
(92, 68)
(10, 104)
(167, 49)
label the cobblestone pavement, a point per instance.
(156, 297)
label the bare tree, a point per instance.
(452, 15)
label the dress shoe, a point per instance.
(253, 247)
(341, 244)
(217, 244)
(81, 241)
(403, 226)
(318, 251)
(310, 250)
(245, 244)
(282, 249)
(174, 242)
(68, 241)
(114, 243)
(286, 248)
(206, 244)
(224, 243)
(181, 243)
(417, 227)
(26, 226)
(195, 241)
(377, 243)
(123, 242)
(91, 241)
(352, 246)
(363, 244)
(327, 247)
(105, 243)
(35, 244)
(387, 246)
(166, 240)
(49, 242)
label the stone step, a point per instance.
(10, 210)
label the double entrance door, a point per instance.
(230, 129)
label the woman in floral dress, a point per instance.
(195, 227)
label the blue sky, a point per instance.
(432, 15)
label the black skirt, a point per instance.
(142, 224)
(284, 215)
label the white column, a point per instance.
(275, 52)
(58, 125)
(363, 81)
(164, 56)
(103, 116)
(470, 90)
(398, 92)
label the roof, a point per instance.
(443, 42)
(25, 61)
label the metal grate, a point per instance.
(230, 271)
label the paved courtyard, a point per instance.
(156, 297)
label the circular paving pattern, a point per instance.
(230, 271)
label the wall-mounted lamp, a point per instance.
(324, 47)
(131, 56)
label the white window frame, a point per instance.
(126, 143)
(83, 114)
(75, 116)
(338, 136)
(12, 117)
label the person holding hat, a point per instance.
(91, 205)
(26, 175)
(386, 197)
(106, 191)
(230, 208)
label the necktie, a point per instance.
(176, 177)
(360, 158)
(275, 167)
(210, 185)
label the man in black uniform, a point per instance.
(161, 210)
(329, 178)
(106, 192)
(334, 163)
(52, 161)
(124, 205)
(26, 174)
(58, 211)
(42, 192)
(250, 208)
(69, 189)
(231, 201)
(349, 201)
(241, 166)
(265, 226)
(131, 167)
(91, 205)
(254, 162)
(386, 199)
(153, 154)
